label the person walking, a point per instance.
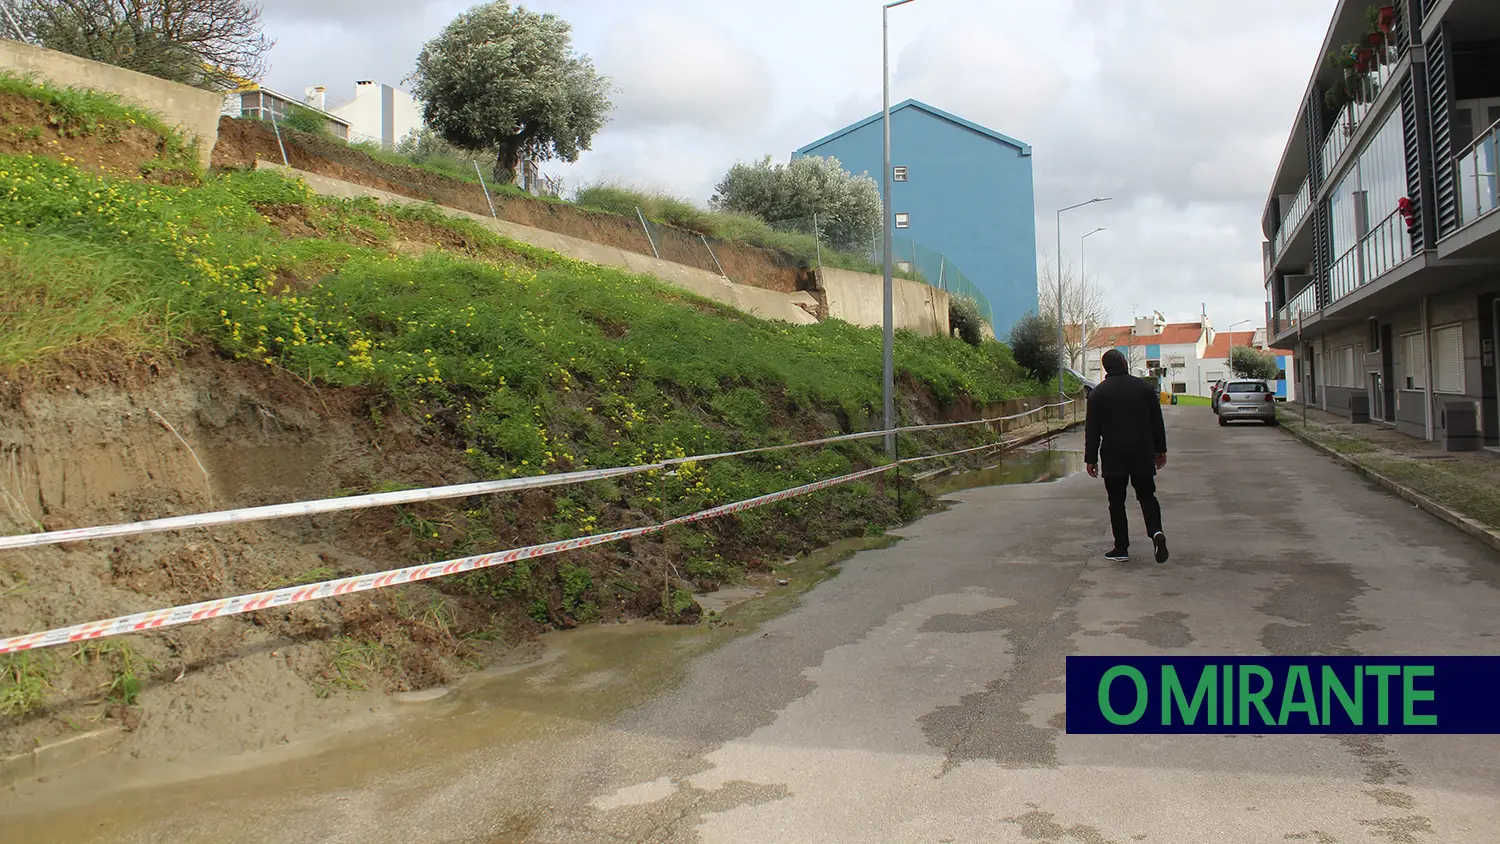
(1124, 429)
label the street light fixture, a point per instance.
(888, 307)
(1061, 348)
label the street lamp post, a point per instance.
(888, 303)
(1083, 338)
(1062, 353)
(1229, 332)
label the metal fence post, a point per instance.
(711, 255)
(284, 161)
(486, 188)
(649, 238)
(817, 240)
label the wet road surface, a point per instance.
(917, 697)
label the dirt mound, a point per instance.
(242, 142)
(26, 128)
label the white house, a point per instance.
(1215, 363)
(379, 114)
(1153, 346)
(253, 100)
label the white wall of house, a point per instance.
(380, 113)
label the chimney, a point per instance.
(317, 97)
(365, 86)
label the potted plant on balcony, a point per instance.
(1364, 59)
(1383, 18)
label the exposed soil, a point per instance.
(26, 128)
(242, 142)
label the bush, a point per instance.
(306, 120)
(1033, 341)
(847, 207)
(1249, 362)
(963, 317)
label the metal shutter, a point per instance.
(1413, 363)
(1448, 359)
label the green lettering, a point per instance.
(1172, 692)
(1228, 695)
(1411, 695)
(1354, 708)
(1142, 696)
(1385, 673)
(1299, 680)
(1256, 699)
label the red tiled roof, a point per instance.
(1224, 341)
(1173, 334)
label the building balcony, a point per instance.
(1386, 246)
(1352, 116)
(1477, 176)
(1305, 302)
(1291, 221)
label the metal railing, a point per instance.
(1347, 124)
(1345, 275)
(1304, 302)
(1385, 247)
(1476, 166)
(1293, 218)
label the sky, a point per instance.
(1179, 110)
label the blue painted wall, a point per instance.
(969, 193)
(1283, 363)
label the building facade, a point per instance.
(380, 114)
(261, 103)
(1382, 257)
(1186, 357)
(961, 195)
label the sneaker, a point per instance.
(1160, 541)
(1116, 555)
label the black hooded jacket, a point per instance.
(1124, 413)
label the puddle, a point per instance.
(583, 679)
(1023, 467)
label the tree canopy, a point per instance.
(1033, 343)
(508, 81)
(206, 43)
(846, 207)
(1250, 362)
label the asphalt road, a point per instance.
(918, 696)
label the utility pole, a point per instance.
(888, 306)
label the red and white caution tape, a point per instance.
(172, 616)
(387, 499)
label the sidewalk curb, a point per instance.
(55, 756)
(1465, 524)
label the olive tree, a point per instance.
(1033, 343)
(507, 80)
(846, 206)
(211, 44)
(1250, 362)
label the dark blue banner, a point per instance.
(1278, 694)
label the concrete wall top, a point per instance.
(193, 111)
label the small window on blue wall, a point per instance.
(903, 220)
(899, 173)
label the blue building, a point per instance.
(961, 196)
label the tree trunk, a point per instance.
(508, 161)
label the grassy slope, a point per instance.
(526, 362)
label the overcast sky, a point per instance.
(1179, 109)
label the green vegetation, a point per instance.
(523, 361)
(81, 113)
(24, 681)
(1250, 362)
(304, 119)
(740, 228)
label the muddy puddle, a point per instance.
(1035, 466)
(584, 678)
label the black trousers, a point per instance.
(1145, 492)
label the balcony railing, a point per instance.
(1478, 193)
(1383, 248)
(1306, 301)
(1293, 218)
(1349, 119)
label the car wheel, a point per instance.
(1272, 422)
(1223, 423)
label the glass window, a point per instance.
(1413, 362)
(1248, 387)
(1448, 359)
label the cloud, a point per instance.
(676, 71)
(986, 76)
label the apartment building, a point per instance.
(1382, 257)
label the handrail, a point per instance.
(1295, 215)
(1490, 138)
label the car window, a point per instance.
(1249, 387)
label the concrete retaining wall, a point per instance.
(194, 111)
(795, 308)
(858, 298)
